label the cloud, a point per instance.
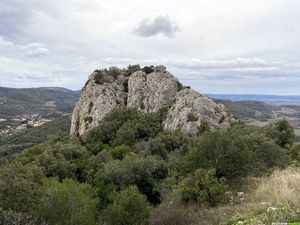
(235, 69)
(159, 25)
(34, 49)
(255, 49)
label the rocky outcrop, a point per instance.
(192, 109)
(152, 92)
(101, 94)
(148, 92)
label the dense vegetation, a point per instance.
(128, 171)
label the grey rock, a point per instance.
(96, 101)
(152, 92)
(109, 89)
(191, 109)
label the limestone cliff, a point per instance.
(149, 92)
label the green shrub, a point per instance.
(132, 68)
(114, 71)
(144, 172)
(105, 193)
(294, 153)
(220, 150)
(99, 74)
(18, 185)
(148, 69)
(235, 153)
(129, 207)
(123, 126)
(56, 158)
(10, 217)
(119, 152)
(282, 133)
(203, 187)
(66, 203)
(95, 164)
(165, 143)
(179, 86)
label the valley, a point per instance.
(22, 109)
(261, 110)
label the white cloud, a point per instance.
(8, 48)
(223, 46)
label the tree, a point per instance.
(203, 187)
(67, 203)
(282, 133)
(119, 152)
(223, 151)
(129, 207)
(238, 152)
(165, 143)
(57, 158)
(144, 172)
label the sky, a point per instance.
(214, 46)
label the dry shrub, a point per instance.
(171, 214)
(282, 186)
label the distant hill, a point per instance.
(253, 97)
(262, 112)
(250, 109)
(14, 102)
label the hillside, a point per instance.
(44, 101)
(129, 170)
(12, 145)
(249, 109)
(25, 108)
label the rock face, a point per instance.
(192, 109)
(152, 92)
(159, 89)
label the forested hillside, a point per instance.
(16, 102)
(129, 171)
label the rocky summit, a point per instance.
(150, 89)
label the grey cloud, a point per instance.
(240, 69)
(196, 63)
(159, 25)
(9, 48)
(15, 15)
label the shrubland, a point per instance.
(130, 171)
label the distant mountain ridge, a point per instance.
(255, 97)
(16, 101)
